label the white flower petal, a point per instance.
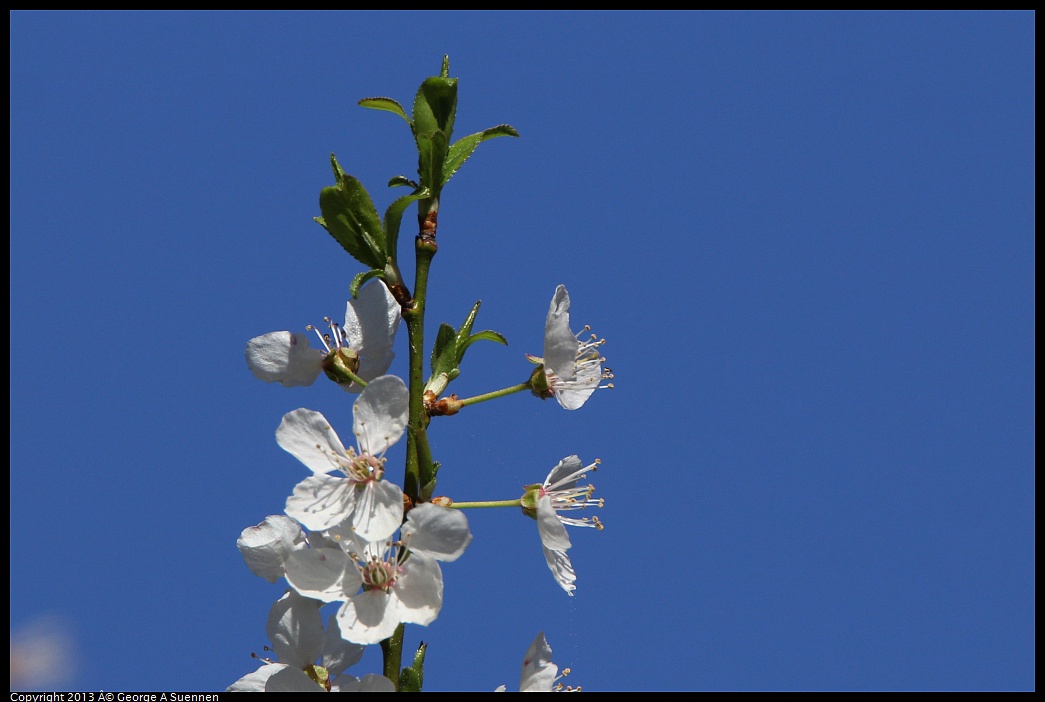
(371, 321)
(370, 683)
(322, 574)
(438, 532)
(339, 654)
(565, 475)
(420, 590)
(560, 344)
(284, 358)
(561, 568)
(291, 680)
(378, 511)
(295, 628)
(255, 682)
(550, 527)
(380, 414)
(265, 547)
(308, 436)
(322, 501)
(538, 671)
(369, 617)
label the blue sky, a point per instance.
(807, 238)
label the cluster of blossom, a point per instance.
(350, 553)
(351, 537)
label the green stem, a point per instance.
(392, 648)
(494, 395)
(488, 503)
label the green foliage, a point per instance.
(351, 218)
(434, 113)
(450, 346)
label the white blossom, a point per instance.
(561, 493)
(295, 629)
(371, 321)
(383, 583)
(372, 506)
(573, 365)
(539, 674)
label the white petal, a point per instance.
(322, 574)
(420, 590)
(378, 511)
(255, 682)
(438, 532)
(292, 680)
(565, 475)
(284, 358)
(560, 344)
(308, 436)
(295, 629)
(265, 547)
(322, 501)
(339, 654)
(376, 683)
(562, 570)
(538, 671)
(380, 414)
(369, 617)
(553, 533)
(371, 321)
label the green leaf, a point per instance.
(442, 361)
(409, 680)
(485, 335)
(464, 147)
(466, 328)
(387, 105)
(435, 106)
(394, 217)
(360, 278)
(350, 217)
(431, 150)
(401, 180)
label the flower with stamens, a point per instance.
(572, 367)
(357, 494)
(363, 346)
(539, 674)
(561, 493)
(401, 581)
(295, 629)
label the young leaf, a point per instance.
(360, 278)
(387, 105)
(431, 150)
(394, 217)
(443, 352)
(461, 149)
(485, 335)
(435, 106)
(401, 180)
(349, 215)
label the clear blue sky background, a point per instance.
(808, 239)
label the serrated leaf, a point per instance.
(431, 149)
(401, 180)
(444, 339)
(485, 335)
(349, 215)
(360, 278)
(394, 217)
(466, 146)
(386, 105)
(435, 106)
